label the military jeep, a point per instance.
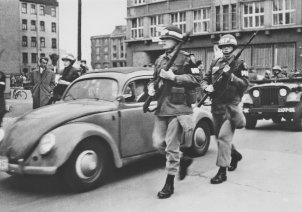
(274, 99)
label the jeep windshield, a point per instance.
(94, 89)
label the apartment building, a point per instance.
(109, 50)
(29, 31)
(279, 40)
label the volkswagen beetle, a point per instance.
(99, 125)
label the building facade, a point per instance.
(109, 50)
(31, 32)
(278, 42)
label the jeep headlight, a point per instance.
(283, 92)
(47, 143)
(256, 93)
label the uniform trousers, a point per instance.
(166, 136)
(227, 117)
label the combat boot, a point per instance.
(185, 162)
(236, 157)
(168, 188)
(220, 176)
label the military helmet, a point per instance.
(172, 32)
(227, 40)
(277, 68)
(69, 57)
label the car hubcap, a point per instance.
(200, 137)
(87, 165)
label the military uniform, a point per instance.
(2, 100)
(174, 105)
(227, 95)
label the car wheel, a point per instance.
(201, 139)
(88, 166)
(277, 120)
(297, 118)
(251, 122)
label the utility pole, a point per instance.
(79, 30)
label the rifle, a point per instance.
(230, 63)
(166, 68)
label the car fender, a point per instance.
(294, 97)
(68, 137)
(201, 113)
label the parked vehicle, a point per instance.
(274, 100)
(98, 125)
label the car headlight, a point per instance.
(47, 143)
(256, 93)
(2, 133)
(283, 92)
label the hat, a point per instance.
(227, 40)
(69, 57)
(277, 68)
(171, 32)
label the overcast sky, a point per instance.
(98, 17)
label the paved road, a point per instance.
(268, 179)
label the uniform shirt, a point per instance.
(174, 96)
(227, 90)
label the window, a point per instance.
(218, 27)
(106, 49)
(42, 10)
(233, 16)
(114, 56)
(53, 43)
(284, 55)
(25, 58)
(201, 20)
(138, 2)
(114, 48)
(33, 9)
(24, 8)
(283, 12)
(24, 41)
(24, 24)
(135, 91)
(106, 57)
(253, 15)
(33, 42)
(33, 25)
(97, 50)
(33, 58)
(225, 17)
(98, 57)
(42, 55)
(154, 22)
(179, 20)
(137, 29)
(262, 56)
(42, 42)
(53, 12)
(53, 27)
(42, 26)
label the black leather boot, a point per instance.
(168, 188)
(185, 162)
(236, 157)
(220, 176)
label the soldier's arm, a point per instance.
(240, 77)
(207, 79)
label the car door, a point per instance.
(136, 126)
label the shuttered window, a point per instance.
(263, 56)
(284, 55)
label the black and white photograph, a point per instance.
(151, 105)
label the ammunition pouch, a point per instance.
(178, 95)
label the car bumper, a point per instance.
(268, 110)
(35, 170)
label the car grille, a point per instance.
(269, 96)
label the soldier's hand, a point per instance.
(169, 75)
(151, 90)
(226, 68)
(209, 89)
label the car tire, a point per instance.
(201, 139)
(88, 166)
(277, 120)
(251, 122)
(297, 118)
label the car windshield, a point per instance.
(97, 89)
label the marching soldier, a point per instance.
(177, 93)
(226, 95)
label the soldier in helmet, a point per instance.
(174, 111)
(277, 73)
(226, 94)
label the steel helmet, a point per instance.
(277, 68)
(172, 32)
(227, 40)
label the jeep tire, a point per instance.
(297, 118)
(250, 122)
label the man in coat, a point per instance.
(177, 94)
(43, 81)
